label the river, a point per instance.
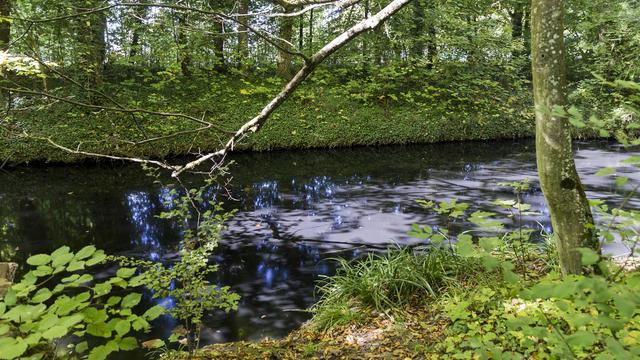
(297, 211)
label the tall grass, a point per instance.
(387, 283)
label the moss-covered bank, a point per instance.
(317, 116)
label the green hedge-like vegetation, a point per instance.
(318, 115)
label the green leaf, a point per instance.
(102, 289)
(63, 250)
(40, 259)
(632, 160)
(98, 257)
(464, 246)
(621, 181)
(55, 332)
(85, 252)
(113, 300)
(61, 260)
(4, 328)
(43, 270)
(589, 257)
(101, 352)
(99, 329)
(128, 343)
(41, 296)
(75, 265)
(70, 278)
(625, 305)
(131, 300)
(489, 243)
(122, 327)
(82, 347)
(582, 339)
(154, 312)
(12, 348)
(125, 272)
(606, 171)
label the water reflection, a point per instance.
(297, 209)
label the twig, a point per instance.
(111, 157)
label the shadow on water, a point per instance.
(296, 210)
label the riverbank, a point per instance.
(539, 316)
(317, 116)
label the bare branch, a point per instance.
(254, 124)
(340, 4)
(90, 154)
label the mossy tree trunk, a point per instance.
(568, 205)
(5, 24)
(184, 55)
(285, 59)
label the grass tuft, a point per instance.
(387, 283)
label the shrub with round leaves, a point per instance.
(56, 301)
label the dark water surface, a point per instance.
(296, 211)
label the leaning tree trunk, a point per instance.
(568, 205)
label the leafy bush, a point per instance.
(57, 299)
(185, 281)
(574, 317)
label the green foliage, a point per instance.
(57, 300)
(573, 317)
(185, 281)
(386, 283)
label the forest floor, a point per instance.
(380, 337)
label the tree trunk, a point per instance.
(417, 50)
(568, 205)
(285, 59)
(140, 13)
(5, 39)
(301, 32)
(365, 41)
(243, 34)
(183, 47)
(310, 39)
(5, 26)
(218, 46)
(517, 17)
(92, 50)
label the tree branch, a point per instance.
(254, 124)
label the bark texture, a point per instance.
(285, 59)
(243, 33)
(184, 55)
(5, 26)
(568, 205)
(140, 13)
